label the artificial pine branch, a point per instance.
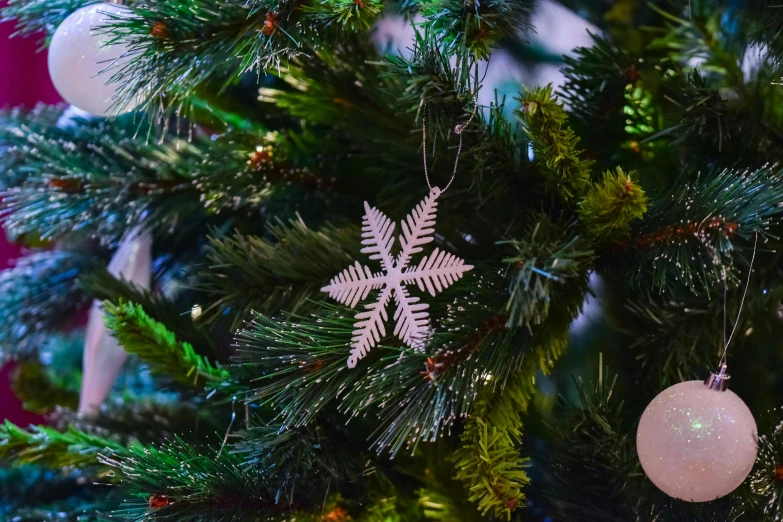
(146, 420)
(479, 27)
(472, 352)
(90, 165)
(701, 34)
(596, 77)
(602, 82)
(594, 462)
(489, 462)
(611, 205)
(455, 365)
(334, 88)
(673, 341)
(690, 239)
(438, 85)
(41, 390)
(31, 493)
(557, 157)
(32, 17)
(315, 454)
(765, 480)
(548, 255)
(179, 481)
(13, 165)
(97, 169)
(432, 86)
(296, 365)
(428, 82)
(762, 25)
(741, 129)
(166, 38)
(100, 284)
(141, 335)
(277, 274)
(46, 446)
(40, 295)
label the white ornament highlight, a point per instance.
(81, 62)
(103, 356)
(434, 273)
(695, 443)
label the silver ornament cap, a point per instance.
(718, 381)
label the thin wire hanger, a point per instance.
(726, 343)
(458, 129)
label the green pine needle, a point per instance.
(488, 462)
(38, 297)
(297, 365)
(353, 15)
(100, 284)
(554, 144)
(166, 40)
(48, 447)
(33, 17)
(151, 341)
(692, 238)
(550, 254)
(478, 26)
(276, 274)
(41, 390)
(593, 456)
(611, 205)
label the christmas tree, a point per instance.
(280, 270)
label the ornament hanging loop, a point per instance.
(458, 130)
(718, 381)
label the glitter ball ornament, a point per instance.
(81, 62)
(696, 440)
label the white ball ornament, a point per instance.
(696, 440)
(81, 62)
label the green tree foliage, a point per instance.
(141, 335)
(557, 157)
(37, 297)
(248, 273)
(41, 390)
(640, 186)
(46, 446)
(610, 206)
(546, 257)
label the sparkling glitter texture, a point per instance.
(80, 62)
(697, 444)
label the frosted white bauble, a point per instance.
(696, 443)
(81, 61)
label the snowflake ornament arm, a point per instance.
(377, 232)
(434, 274)
(417, 227)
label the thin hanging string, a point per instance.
(458, 129)
(725, 291)
(742, 303)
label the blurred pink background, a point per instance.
(24, 81)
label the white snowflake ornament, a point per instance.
(434, 273)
